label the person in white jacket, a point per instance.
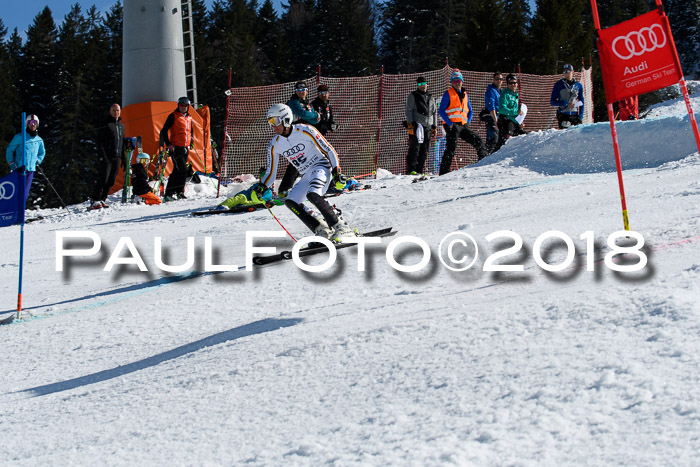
(34, 152)
(316, 160)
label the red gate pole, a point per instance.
(613, 131)
(379, 129)
(223, 145)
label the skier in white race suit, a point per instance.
(317, 162)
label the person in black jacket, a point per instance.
(111, 145)
(323, 107)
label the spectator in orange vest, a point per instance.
(456, 112)
(629, 108)
(177, 134)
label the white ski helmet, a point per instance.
(143, 156)
(30, 118)
(280, 113)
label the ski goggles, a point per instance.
(274, 121)
(301, 89)
(323, 93)
(422, 84)
(33, 122)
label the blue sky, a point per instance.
(20, 15)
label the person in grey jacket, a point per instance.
(421, 122)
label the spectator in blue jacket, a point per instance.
(491, 96)
(303, 113)
(34, 152)
(567, 96)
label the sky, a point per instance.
(21, 15)
(277, 366)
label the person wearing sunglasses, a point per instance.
(323, 107)
(34, 152)
(421, 122)
(316, 160)
(178, 135)
(567, 97)
(508, 111)
(303, 113)
(456, 111)
(491, 96)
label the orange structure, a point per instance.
(147, 118)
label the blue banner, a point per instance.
(11, 200)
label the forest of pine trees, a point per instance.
(69, 73)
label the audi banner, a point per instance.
(638, 56)
(10, 200)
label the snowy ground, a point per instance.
(283, 367)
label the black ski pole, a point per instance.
(54, 189)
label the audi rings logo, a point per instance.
(7, 190)
(638, 43)
(294, 150)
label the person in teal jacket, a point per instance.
(508, 111)
(34, 152)
(303, 113)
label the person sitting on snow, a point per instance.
(139, 180)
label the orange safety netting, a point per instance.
(370, 111)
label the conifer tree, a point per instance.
(345, 32)
(113, 25)
(684, 16)
(273, 46)
(561, 32)
(298, 23)
(413, 35)
(8, 95)
(477, 49)
(38, 73)
(512, 35)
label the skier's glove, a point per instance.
(433, 131)
(334, 126)
(411, 128)
(339, 179)
(262, 192)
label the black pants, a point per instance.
(491, 133)
(176, 182)
(105, 179)
(506, 128)
(457, 130)
(567, 120)
(290, 176)
(417, 153)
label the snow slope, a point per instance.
(283, 367)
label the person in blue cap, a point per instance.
(456, 112)
(567, 96)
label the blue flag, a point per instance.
(11, 200)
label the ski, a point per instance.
(287, 255)
(422, 178)
(333, 194)
(234, 210)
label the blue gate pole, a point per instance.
(22, 203)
